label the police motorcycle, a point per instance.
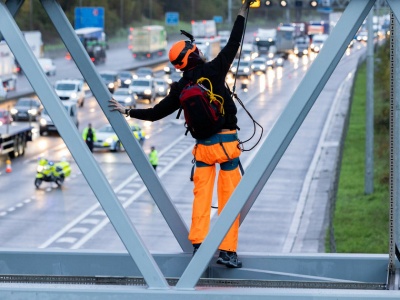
(52, 172)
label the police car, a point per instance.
(108, 139)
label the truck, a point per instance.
(248, 52)
(317, 27)
(7, 68)
(204, 29)
(317, 42)
(94, 41)
(35, 42)
(210, 47)
(285, 40)
(302, 45)
(14, 138)
(224, 37)
(147, 42)
(265, 42)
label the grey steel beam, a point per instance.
(13, 7)
(118, 122)
(394, 183)
(369, 110)
(316, 267)
(280, 136)
(79, 150)
(106, 292)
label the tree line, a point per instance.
(120, 14)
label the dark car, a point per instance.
(111, 79)
(26, 109)
(125, 78)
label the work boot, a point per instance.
(195, 247)
(229, 259)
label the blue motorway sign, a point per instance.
(324, 6)
(171, 18)
(89, 17)
(218, 19)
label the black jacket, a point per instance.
(215, 70)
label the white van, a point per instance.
(70, 89)
(46, 125)
(318, 41)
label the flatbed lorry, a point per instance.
(14, 139)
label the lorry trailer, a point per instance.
(147, 42)
(14, 138)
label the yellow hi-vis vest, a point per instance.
(153, 158)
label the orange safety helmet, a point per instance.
(179, 53)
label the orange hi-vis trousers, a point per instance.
(221, 148)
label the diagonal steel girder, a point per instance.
(280, 137)
(68, 131)
(394, 141)
(132, 147)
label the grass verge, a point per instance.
(360, 220)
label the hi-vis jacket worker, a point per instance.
(153, 157)
(222, 148)
(89, 136)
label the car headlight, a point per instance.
(111, 85)
(1, 123)
(14, 111)
(109, 140)
(43, 122)
(147, 92)
(262, 67)
(74, 95)
(127, 100)
(279, 60)
(246, 70)
(33, 111)
(161, 89)
(233, 69)
(127, 81)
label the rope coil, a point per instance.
(213, 97)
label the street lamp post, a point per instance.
(121, 12)
(151, 11)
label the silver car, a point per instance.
(244, 68)
(144, 88)
(259, 64)
(161, 86)
(126, 97)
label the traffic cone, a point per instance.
(8, 168)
